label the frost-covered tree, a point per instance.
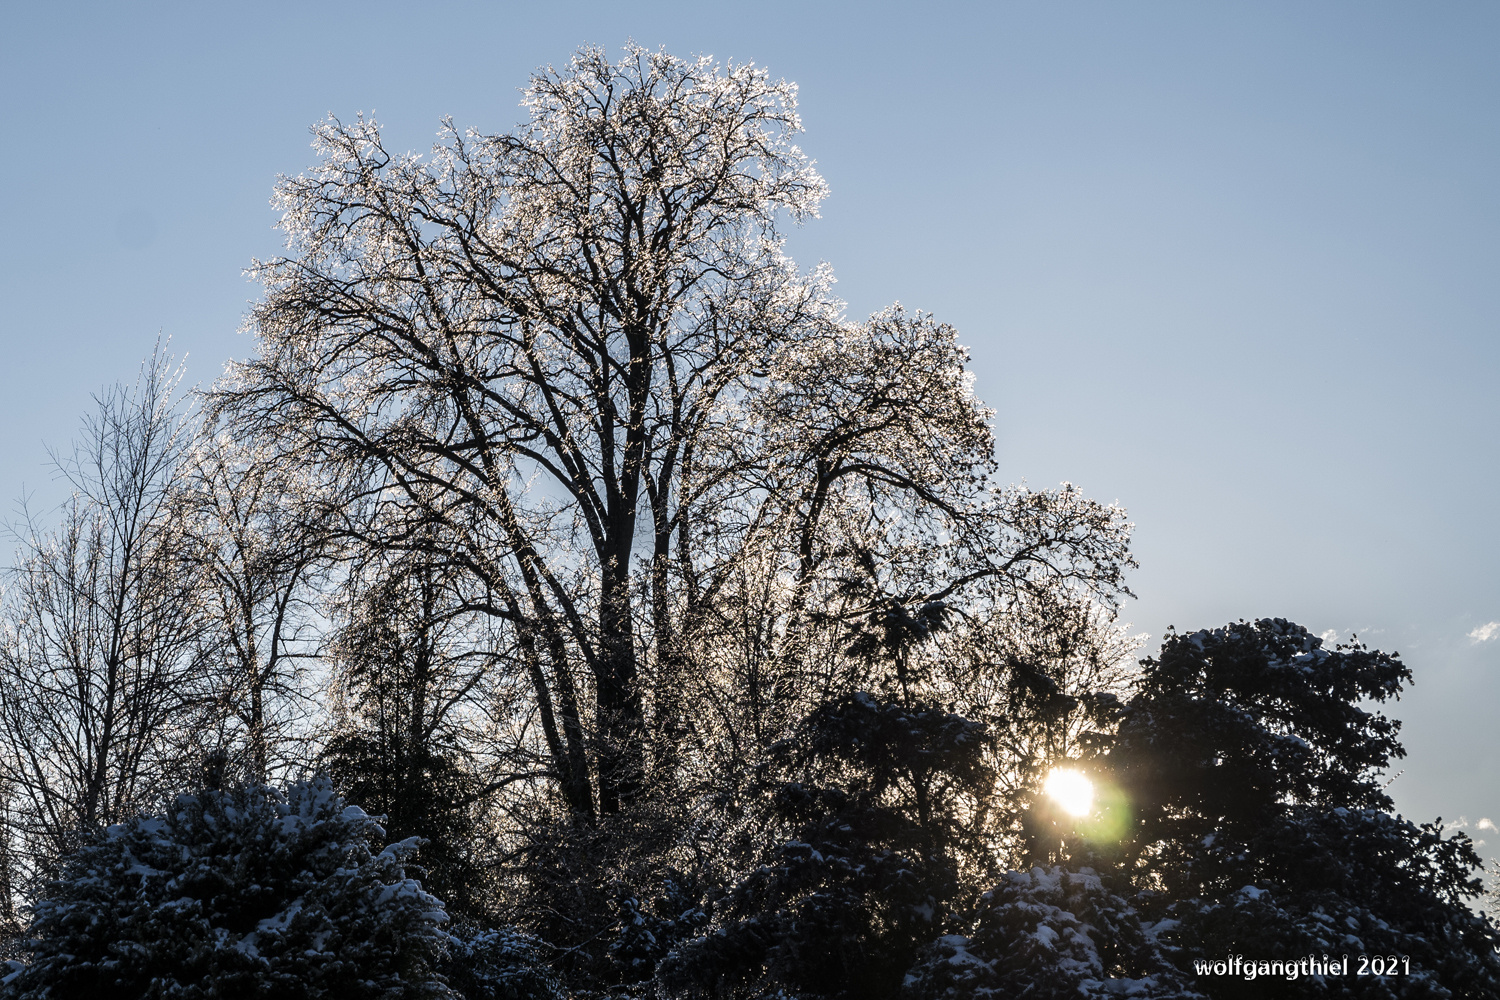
(101, 634)
(655, 448)
(244, 892)
(559, 302)
(255, 534)
(411, 703)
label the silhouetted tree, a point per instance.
(101, 673)
(255, 535)
(1244, 800)
(653, 447)
(405, 671)
(868, 793)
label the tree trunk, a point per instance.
(620, 718)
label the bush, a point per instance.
(501, 964)
(249, 892)
(1048, 934)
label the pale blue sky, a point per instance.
(1233, 266)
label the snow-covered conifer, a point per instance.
(1044, 934)
(246, 892)
(501, 964)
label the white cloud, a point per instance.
(1486, 632)
(1330, 637)
(1488, 824)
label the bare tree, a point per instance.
(99, 654)
(9, 926)
(423, 731)
(579, 350)
(556, 302)
(255, 532)
(857, 481)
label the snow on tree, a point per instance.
(246, 892)
(1048, 934)
(409, 683)
(1355, 882)
(650, 924)
(1231, 726)
(1246, 770)
(865, 873)
(501, 964)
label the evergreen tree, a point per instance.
(1245, 775)
(867, 876)
(405, 672)
(1048, 934)
(501, 964)
(246, 892)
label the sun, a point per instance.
(1070, 790)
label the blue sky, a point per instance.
(1234, 266)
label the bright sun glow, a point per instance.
(1071, 790)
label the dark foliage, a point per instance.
(1048, 934)
(500, 964)
(1351, 882)
(608, 897)
(1230, 727)
(416, 793)
(1258, 825)
(604, 494)
(646, 929)
(401, 657)
(841, 908)
(249, 892)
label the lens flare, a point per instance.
(1070, 790)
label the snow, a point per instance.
(142, 901)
